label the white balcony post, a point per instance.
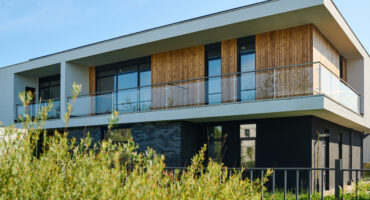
(166, 96)
(63, 89)
(198, 99)
(274, 79)
(319, 78)
(235, 89)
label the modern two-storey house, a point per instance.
(281, 83)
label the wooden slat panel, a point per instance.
(92, 80)
(280, 48)
(178, 65)
(92, 86)
(229, 58)
(325, 52)
(344, 63)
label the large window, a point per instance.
(124, 85)
(49, 87)
(213, 71)
(248, 145)
(247, 67)
(214, 134)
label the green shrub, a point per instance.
(58, 168)
(367, 174)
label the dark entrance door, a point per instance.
(223, 143)
(215, 142)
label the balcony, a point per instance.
(34, 108)
(263, 84)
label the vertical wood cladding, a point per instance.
(92, 86)
(291, 46)
(229, 59)
(325, 52)
(344, 63)
(284, 47)
(229, 56)
(92, 80)
(281, 48)
(177, 65)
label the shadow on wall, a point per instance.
(366, 148)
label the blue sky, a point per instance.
(33, 28)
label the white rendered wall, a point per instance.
(356, 77)
(76, 74)
(366, 97)
(6, 97)
(72, 73)
(20, 84)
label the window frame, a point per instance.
(208, 48)
(248, 41)
(248, 139)
(114, 67)
(49, 80)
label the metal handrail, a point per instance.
(314, 178)
(38, 102)
(223, 75)
(272, 168)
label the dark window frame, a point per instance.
(210, 140)
(249, 139)
(114, 67)
(208, 48)
(249, 40)
(48, 79)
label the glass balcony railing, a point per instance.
(337, 89)
(34, 108)
(270, 83)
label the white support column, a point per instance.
(63, 88)
(356, 73)
(79, 74)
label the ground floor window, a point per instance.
(248, 145)
(214, 134)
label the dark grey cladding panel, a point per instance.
(177, 141)
(79, 133)
(164, 138)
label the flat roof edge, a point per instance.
(348, 26)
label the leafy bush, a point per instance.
(362, 194)
(367, 174)
(36, 165)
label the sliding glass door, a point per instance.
(213, 71)
(127, 94)
(125, 87)
(247, 67)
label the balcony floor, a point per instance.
(316, 105)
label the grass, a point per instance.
(363, 194)
(366, 174)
